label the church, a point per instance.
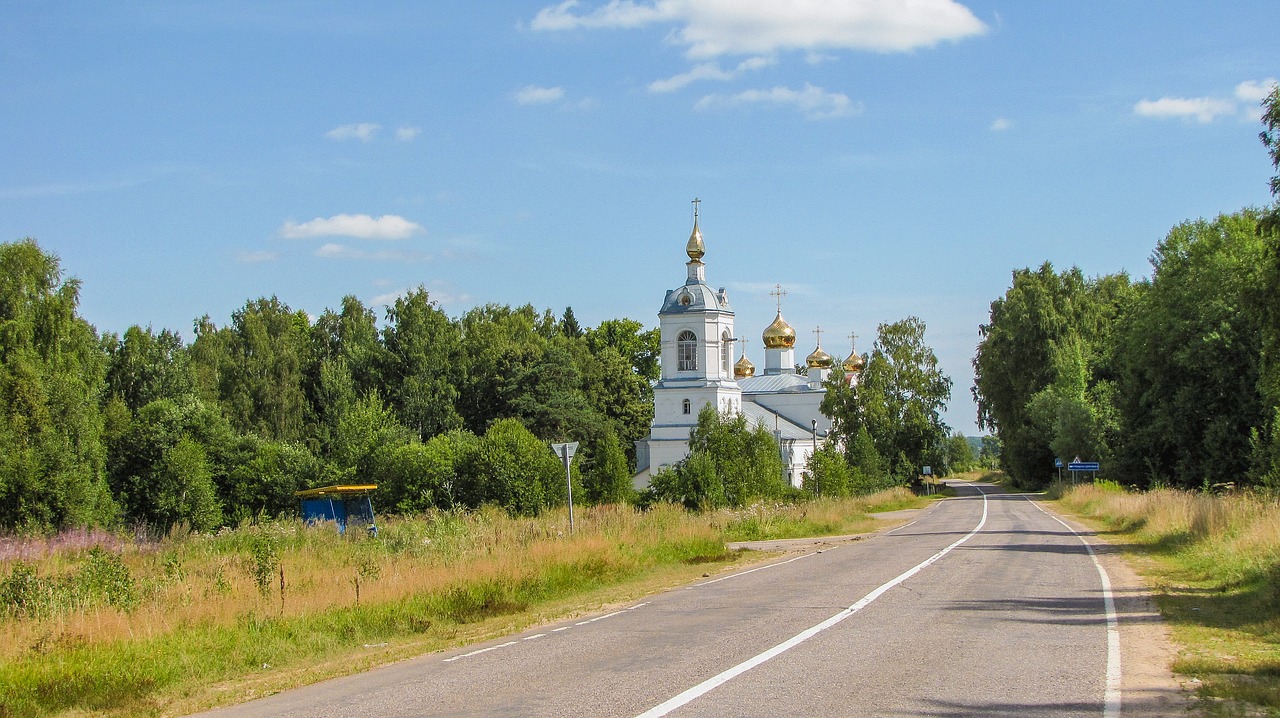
(697, 351)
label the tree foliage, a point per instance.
(52, 461)
(729, 464)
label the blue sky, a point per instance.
(878, 159)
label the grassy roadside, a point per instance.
(195, 621)
(1213, 565)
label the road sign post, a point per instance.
(565, 452)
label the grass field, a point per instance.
(97, 624)
(1213, 563)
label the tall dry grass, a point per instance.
(1234, 536)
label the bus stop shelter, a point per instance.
(340, 504)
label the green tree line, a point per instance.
(1169, 380)
(144, 430)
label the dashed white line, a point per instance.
(542, 635)
(751, 570)
(482, 650)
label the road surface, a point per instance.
(984, 605)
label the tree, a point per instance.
(166, 467)
(900, 397)
(513, 469)
(1050, 332)
(729, 464)
(145, 366)
(569, 324)
(260, 364)
(827, 472)
(421, 364)
(419, 476)
(1266, 462)
(1189, 356)
(52, 462)
(606, 476)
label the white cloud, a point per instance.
(341, 251)
(388, 226)
(1001, 123)
(534, 95)
(815, 102)
(1203, 109)
(710, 28)
(363, 131)
(708, 71)
(1255, 90)
(248, 257)
(1207, 109)
(407, 134)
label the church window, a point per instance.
(686, 351)
(726, 353)
(685, 407)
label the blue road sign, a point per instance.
(1057, 463)
(1083, 466)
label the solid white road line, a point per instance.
(718, 680)
(1111, 696)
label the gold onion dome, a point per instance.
(743, 368)
(854, 362)
(819, 359)
(695, 249)
(779, 334)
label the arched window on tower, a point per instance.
(686, 407)
(726, 354)
(686, 351)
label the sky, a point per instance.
(878, 159)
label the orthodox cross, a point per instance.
(853, 341)
(818, 333)
(778, 292)
(696, 202)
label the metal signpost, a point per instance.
(565, 452)
(1057, 464)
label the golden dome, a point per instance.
(819, 359)
(744, 368)
(695, 248)
(854, 362)
(779, 334)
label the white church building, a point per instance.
(697, 350)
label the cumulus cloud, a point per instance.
(815, 102)
(1000, 124)
(363, 226)
(708, 71)
(710, 28)
(1254, 90)
(534, 95)
(1207, 109)
(1203, 109)
(407, 134)
(363, 131)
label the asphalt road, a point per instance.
(985, 605)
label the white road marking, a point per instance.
(1111, 696)
(751, 570)
(715, 681)
(541, 635)
(482, 650)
